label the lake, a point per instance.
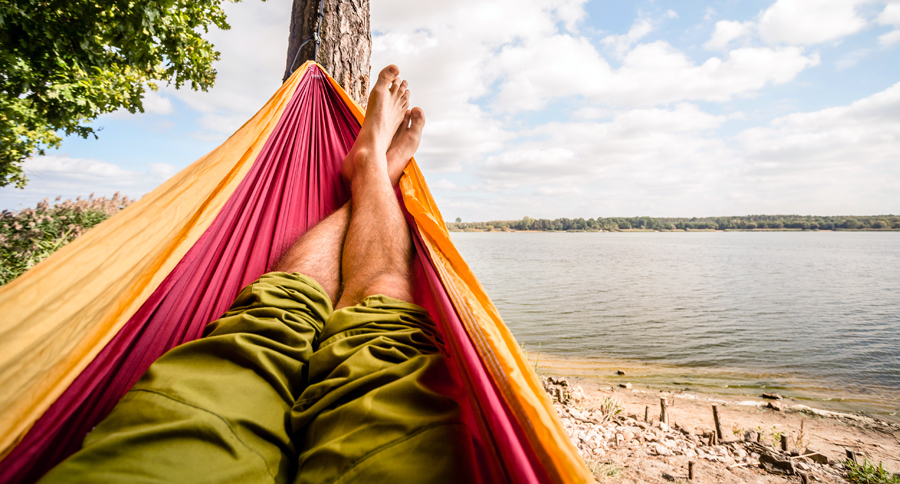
(812, 315)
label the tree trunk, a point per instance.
(346, 42)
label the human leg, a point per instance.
(318, 253)
(381, 405)
(377, 250)
(215, 409)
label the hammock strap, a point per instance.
(315, 36)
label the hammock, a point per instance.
(80, 328)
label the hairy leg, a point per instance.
(377, 249)
(317, 253)
(381, 405)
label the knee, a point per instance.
(391, 285)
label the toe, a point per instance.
(387, 76)
(395, 87)
(416, 120)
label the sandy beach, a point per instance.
(624, 448)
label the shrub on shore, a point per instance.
(30, 235)
(868, 473)
(745, 222)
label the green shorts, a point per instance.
(284, 389)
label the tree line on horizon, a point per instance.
(747, 222)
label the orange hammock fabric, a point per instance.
(79, 328)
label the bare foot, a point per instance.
(405, 143)
(403, 146)
(388, 103)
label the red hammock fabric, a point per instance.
(294, 183)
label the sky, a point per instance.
(571, 108)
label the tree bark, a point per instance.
(346, 42)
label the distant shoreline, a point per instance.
(671, 224)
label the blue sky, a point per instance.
(569, 108)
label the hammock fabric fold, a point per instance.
(81, 327)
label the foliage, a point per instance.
(610, 408)
(749, 222)
(604, 470)
(867, 473)
(776, 437)
(65, 62)
(30, 235)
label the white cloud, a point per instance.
(155, 103)
(807, 22)
(444, 185)
(592, 112)
(840, 160)
(475, 73)
(447, 52)
(890, 38)
(493, 22)
(853, 58)
(558, 191)
(621, 44)
(251, 66)
(727, 31)
(657, 73)
(627, 136)
(443, 84)
(890, 15)
(650, 74)
(866, 132)
(555, 152)
(558, 66)
(673, 162)
(536, 162)
(59, 175)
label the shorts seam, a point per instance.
(222, 419)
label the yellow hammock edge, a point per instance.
(520, 385)
(59, 315)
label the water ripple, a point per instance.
(821, 311)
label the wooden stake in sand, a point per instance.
(646, 413)
(691, 470)
(784, 442)
(719, 434)
(663, 410)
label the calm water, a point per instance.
(815, 315)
